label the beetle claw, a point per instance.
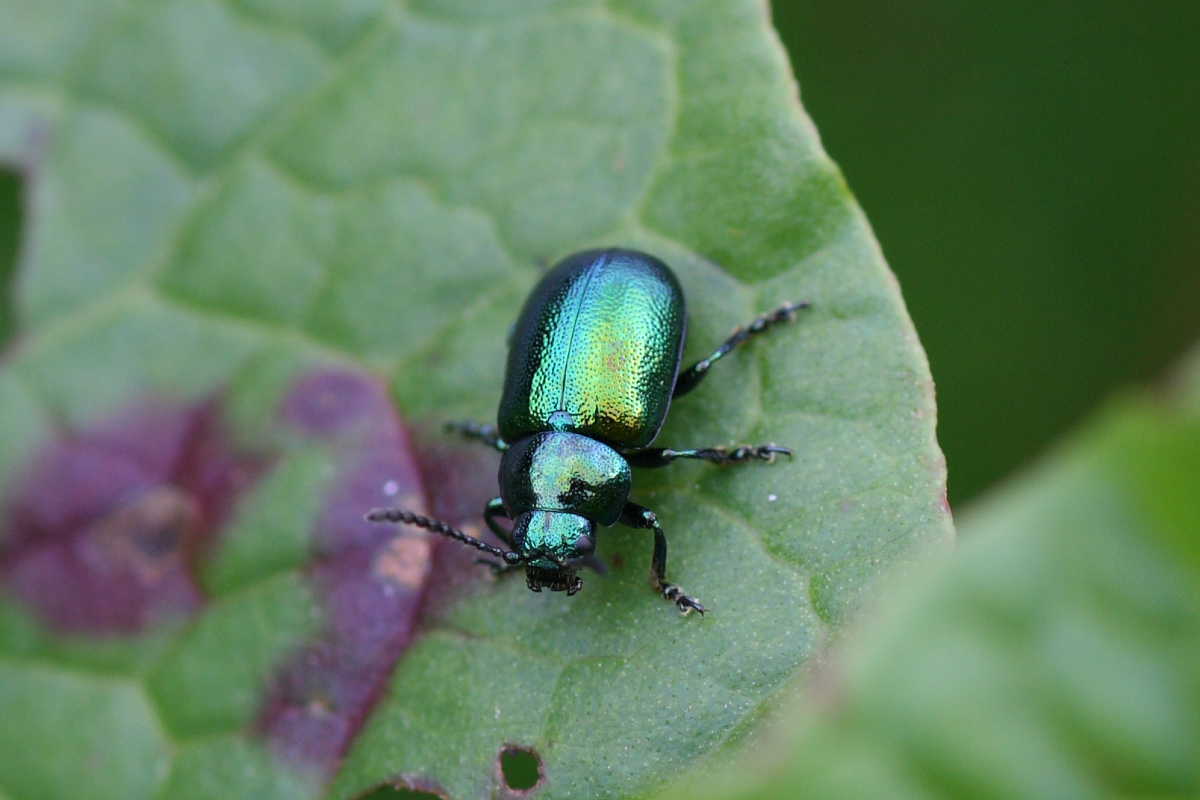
(689, 604)
(767, 452)
(683, 602)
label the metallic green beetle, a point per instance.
(593, 365)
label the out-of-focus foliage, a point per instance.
(1054, 656)
(1032, 173)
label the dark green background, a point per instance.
(9, 221)
(1033, 173)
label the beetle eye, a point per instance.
(584, 544)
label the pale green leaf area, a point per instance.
(1054, 655)
(227, 194)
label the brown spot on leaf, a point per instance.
(151, 535)
(404, 561)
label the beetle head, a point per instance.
(550, 544)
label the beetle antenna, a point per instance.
(437, 526)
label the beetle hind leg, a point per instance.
(636, 516)
(690, 378)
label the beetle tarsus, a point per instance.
(738, 455)
(661, 456)
(763, 452)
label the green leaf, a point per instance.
(1054, 656)
(245, 218)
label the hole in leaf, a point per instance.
(405, 788)
(521, 767)
(10, 233)
(399, 793)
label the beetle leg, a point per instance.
(495, 508)
(636, 516)
(689, 378)
(662, 456)
(488, 434)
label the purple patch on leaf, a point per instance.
(371, 578)
(331, 402)
(106, 528)
(461, 478)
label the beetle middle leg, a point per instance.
(636, 516)
(690, 378)
(662, 456)
(480, 432)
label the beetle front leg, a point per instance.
(662, 456)
(690, 378)
(495, 508)
(636, 516)
(487, 434)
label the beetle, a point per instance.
(593, 365)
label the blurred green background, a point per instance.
(1033, 174)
